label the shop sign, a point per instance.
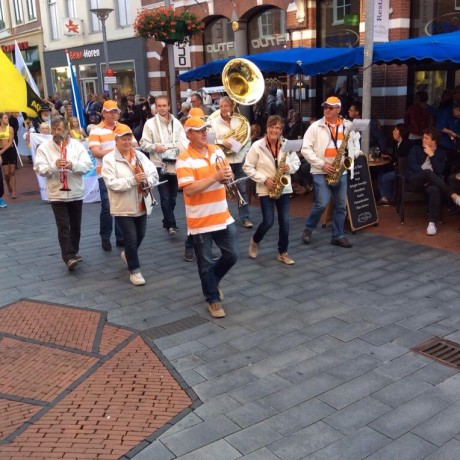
(443, 24)
(10, 48)
(269, 41)
(84, 54)
(344, 38)
(182, 57)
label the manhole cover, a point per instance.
(441, 350)
(174, 327)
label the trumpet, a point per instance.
(231, 186)
(146, 188)
(63, 173)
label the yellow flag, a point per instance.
(15, 93)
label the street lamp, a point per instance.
(102, 14)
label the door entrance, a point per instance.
(88, 86)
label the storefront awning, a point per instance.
(309, 61)
(432, 48)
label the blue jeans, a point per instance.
(105, 218)
(133, 229)
(168, 196)
(238, 172)
(267, 205)
(386, 183)
(212, 271)
(323, 194)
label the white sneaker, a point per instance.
(456, 200)
(137, 279)
(123, 257)
(431, 230)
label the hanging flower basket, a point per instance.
(167, 25)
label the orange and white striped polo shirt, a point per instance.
(337, 133)
(207, 211)
(103, 136)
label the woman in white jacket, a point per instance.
(128, 174)
(261, 166)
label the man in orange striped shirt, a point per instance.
(206, 209)
(321, 144)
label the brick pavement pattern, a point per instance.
(59, 399)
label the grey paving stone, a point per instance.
(254, 339)
(223, 384)
(355, 446)
(323, 327)
(304, 442)
(300, 392)
(187, 362)
(442, 427)
(276, 362)
(407, 447)
(221, 450)
(403, 365)
(215, 406)
(229, 333)
(298, 417)
(253, 438)
(351, 331)
(448, 451)
(252, 413)
(357, 415)
(434, 373)
(355, 389)
(183, 350)
(423, 320)
(261, 454)
(284, 342)
(156, 451)
(192, 377)
(258, 389)
(323, 343)
(406, 417)
(384, 334)
(199, 435)
(218, 351)
(402, 391)
(387, 352)
(353, 368)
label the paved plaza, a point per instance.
(313, 361)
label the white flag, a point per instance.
(23, 69)
(381, 20)
(72, 27)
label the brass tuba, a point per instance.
(244, 85)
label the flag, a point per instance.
(17, 95)
(77, 106)
(23, 69)
(72, 27)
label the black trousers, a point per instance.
(435, 188)
(68, 221)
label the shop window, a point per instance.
(125, 74)
(123, 13)
(2, 17)
(339, 24)
(219, 40)
(88, 71)
(267, 31)
(53, 20)
(18, 13)
(60, 78)
(31, 12)
(71, 9)
(457, 5)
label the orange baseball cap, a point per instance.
(196, 112)
(109, 106)
(195, 124)
(122, 130)
(332, 102)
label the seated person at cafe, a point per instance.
(425, 171)
(386, 176)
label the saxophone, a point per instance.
(340, 165)
(281, 179)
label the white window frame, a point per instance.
(54, 23)
(2, 16)
(71, 9)
(18, 12)
(123, 13)
(31, 10)
(96, 25)
(340, 6)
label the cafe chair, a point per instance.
(404, 191)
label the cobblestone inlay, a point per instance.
(61, 403)
(69, 327)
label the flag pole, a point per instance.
(17, 153)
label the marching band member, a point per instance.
(162, 139)
(63, 161)
(206, 209)
(268, 165)
(222, 122)
(128, 176)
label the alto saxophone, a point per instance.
(340, 165)
(281, 179)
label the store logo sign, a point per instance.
(269, 41)
(84, 54)
(443, 24)
(344, 38)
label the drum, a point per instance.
(169, 166)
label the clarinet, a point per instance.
(63, 173)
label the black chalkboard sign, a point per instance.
(362, 210)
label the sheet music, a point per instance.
(292, 145)
(360, 124)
